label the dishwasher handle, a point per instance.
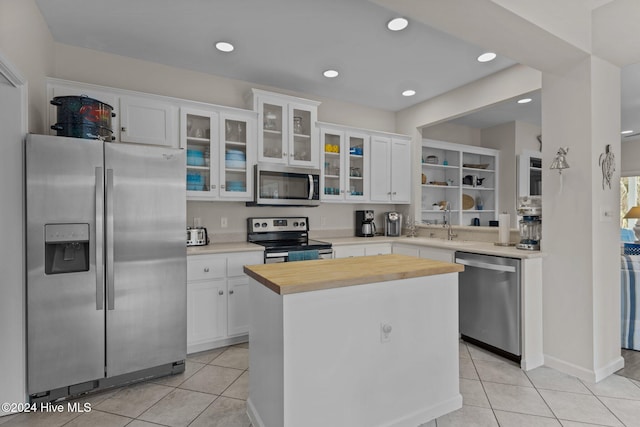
(486, 265)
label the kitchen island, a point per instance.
(364, 341)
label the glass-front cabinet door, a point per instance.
(331, 173)
(220, 153)
(303, 146)
(235, 156)
(356, 166)
(198, 135)
(288, 133)
(272, 139)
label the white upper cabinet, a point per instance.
(148, 121)
(287, 132)
(529, 173)
(220, 153)
(344, 175)
(390, 176)
(140, 118)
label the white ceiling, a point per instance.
(288, 43)
(281, 43)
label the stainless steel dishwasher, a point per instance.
(489, 309)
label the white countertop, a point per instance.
(218, 248)
(454, 245)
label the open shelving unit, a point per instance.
(448, 174)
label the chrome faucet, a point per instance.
(450, 233)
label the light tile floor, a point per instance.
(213, 389)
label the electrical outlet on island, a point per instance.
(223, 222)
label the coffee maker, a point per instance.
(365, 227)
(393, 224)
(530, 208)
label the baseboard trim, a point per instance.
(584, 374)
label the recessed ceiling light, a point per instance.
(626, 132)
(486, 57)
(330, 74)
(397, 24)
(524, 100)
(224, 47)
(409, 92)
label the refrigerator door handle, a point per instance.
(110, 278)
(99, 241)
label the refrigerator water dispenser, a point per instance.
(66, 248)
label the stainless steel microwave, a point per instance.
(277, 185)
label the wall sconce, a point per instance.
(560, 162)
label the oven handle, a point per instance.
(276, 254)
(487, 266)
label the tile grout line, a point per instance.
(493, 411)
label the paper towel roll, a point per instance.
(504, 225)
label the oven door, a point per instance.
(282, 185)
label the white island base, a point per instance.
(320, 359)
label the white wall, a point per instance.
(503, 138)
(451, 132)
(581, 110)
(527, 137)
(26, 41)
(91, 66)
(328, 219)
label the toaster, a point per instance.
(197, 236)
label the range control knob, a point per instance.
(295, 224)
(256, 225)
(264, 224)
(302, 224)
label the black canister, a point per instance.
(83, 117)
(476, 222)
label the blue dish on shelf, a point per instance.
(195, 181)
(236, 186)
(195, 158)
(235, 155)
(235, 164)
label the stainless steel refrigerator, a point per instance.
(106, 264)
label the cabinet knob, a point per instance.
(220, 292)
(284, 154)
(206, 269)
(123, 129)
(394, 193)
(389, 193)
(222, 186)
(231, 292)
(213, 187)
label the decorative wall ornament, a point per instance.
(607, 163)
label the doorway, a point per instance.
(13, 122)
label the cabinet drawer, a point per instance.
(236, 262)
(206, 267)
(377, 249)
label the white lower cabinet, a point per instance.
(437, 254)
(218, 299)
(206, 311)
(366, 249)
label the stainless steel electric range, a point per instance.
(286, 239)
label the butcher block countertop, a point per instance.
(305, 276)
